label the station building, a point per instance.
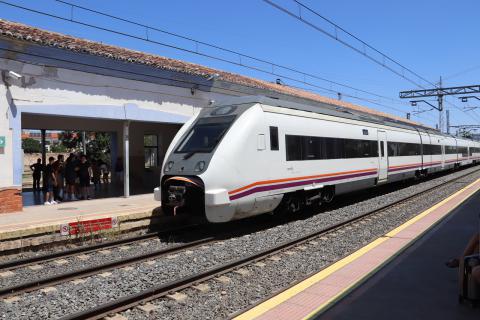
(52, 81)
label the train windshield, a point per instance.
(205, 135)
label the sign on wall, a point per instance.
(2, 141)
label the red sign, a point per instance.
(89, 226)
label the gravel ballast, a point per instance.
(222, 300)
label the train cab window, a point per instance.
(205, 134)
(273, 138)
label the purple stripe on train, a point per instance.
(298, 183)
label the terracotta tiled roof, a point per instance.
(47, 38)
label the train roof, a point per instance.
(329, 109)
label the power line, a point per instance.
(364, 44)
(197, 52)
(240, 55)
(361, 51)
(430, 117)
(238, 63)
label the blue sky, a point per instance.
(433, 38)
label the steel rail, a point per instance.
(85, 272)
(18, 263)
(159, 291)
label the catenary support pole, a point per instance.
(126, 156)
(44, 155)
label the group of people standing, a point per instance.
(67, 180)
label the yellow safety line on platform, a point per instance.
(292, 291)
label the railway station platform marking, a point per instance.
(317, 293)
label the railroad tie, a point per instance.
(48, 290)
(274, 258)
(78, 281)
(147, 308)
(35, 267)
(178, 297)
(223, 279)
(202, 287)
(105, 274)
(242, 272)
(11, 299)
(61, 262)
(116, 317)
(7, 274)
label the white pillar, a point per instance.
(84, 143)
(126, 156)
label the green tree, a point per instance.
(58, 148)
(98, 143)
(30, 145)
(99, 147)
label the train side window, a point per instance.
(382, 149)
(273, 138)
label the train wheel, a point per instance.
(328, 194)
(291, 203)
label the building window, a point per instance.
(273, 138)
(150, 146)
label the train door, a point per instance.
(382, 156)
(443, 154)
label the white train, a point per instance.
(253, 155)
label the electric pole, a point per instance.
(448, 121)
(439, 92)
(440, 108)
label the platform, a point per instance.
(44, 220)
(401, 275)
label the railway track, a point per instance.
(161, 290)
(24, 262)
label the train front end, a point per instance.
(190, 182)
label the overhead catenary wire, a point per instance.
(364, 44)
(239, 63)
(72, 20)
(345, 43)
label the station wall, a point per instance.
(42, 85)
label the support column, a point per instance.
(44, 156)
(126, 159)
(84, 143)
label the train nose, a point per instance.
(182, 194)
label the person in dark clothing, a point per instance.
(70, 176)
(51, 182)
(37, 169)
(119, 169)
(97, 174)
(59, 169)
(84, 174)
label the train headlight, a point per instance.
(168, 166)
(200, 166)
